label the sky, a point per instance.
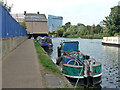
(87, 12)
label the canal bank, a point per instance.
(52, 76)
(107, 55)
(21, 68)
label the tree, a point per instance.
(1, 1)
(67, 25)
(60, 31)
(23, 24)
(65, 34)
(6, 5)
(81, 30)
(88, 27)
(80, 24)
(113, 20)
(98, 29)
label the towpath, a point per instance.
(21, 69)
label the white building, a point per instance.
(19, 17)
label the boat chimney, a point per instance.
(38, 13)
(24, 12)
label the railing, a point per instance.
(9, 27)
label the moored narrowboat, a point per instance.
(45, 42)
(77, 66)
(111, 41)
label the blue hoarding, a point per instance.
(0, 21)
(9, 26)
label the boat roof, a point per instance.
(70, 41)
(118, 36)
(67, 41)
(113, 36)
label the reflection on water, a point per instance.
(107, 55)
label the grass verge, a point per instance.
(39, 49)
(45, 60)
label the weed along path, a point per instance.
(52, 76)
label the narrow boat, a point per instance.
(111, 41)
(77, 66)
(45, 42)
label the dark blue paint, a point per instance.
(0, 21)
(68, 46)
(9, 27)
(47, 44)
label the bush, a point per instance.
(117, 34)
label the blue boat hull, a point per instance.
(47, 46)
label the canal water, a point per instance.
(107, 55)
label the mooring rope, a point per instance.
(68, 54)
(78, 79)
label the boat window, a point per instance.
(115, 40)
(42, 40)
(110, 40)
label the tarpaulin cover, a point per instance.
(70, 46)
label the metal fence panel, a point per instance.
(10, 27)
(3, 23)
(0, 21)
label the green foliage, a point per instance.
(44, 59)
(112, 28)
(39, 49)
(6, 5)
(67, 25)
(117, 34)
(48, 64)
(23, 24)
(53, 32)
(97, 29)
(59, 30)
(65, 34)
(1, 1)
(113, 20)
(80, 30)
